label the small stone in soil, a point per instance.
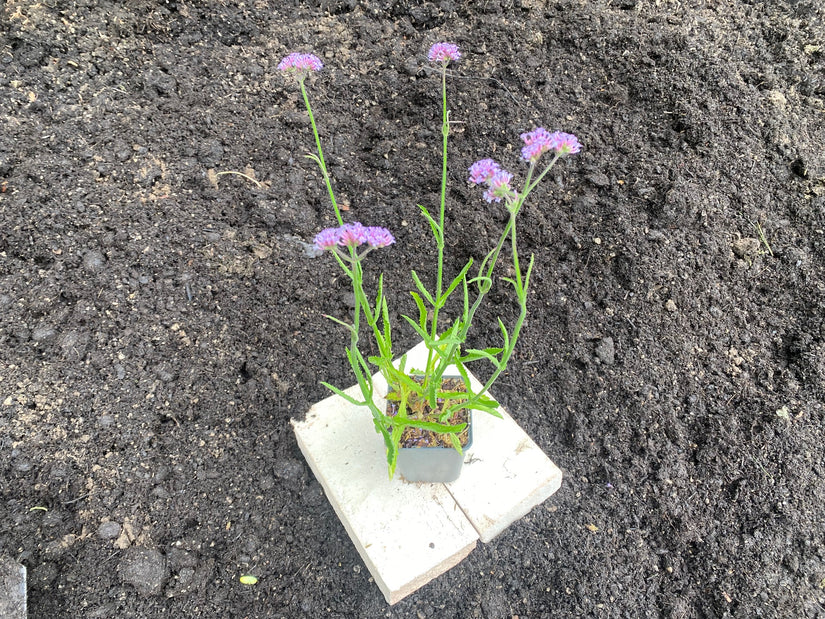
(746, 248)
(42, 333)
(43, 575)
(599, 179)
(108, 530)
(185, 577)
(52, 518)
(21, 333)
(93, 261)
(145, 569)
(164, 374)
(606, 351)
(290, 470)
(210, 153)
(121, 150)
(12, 589)
(23, 466)
(179, 558)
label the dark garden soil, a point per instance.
(160, 322)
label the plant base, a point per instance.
(429, 457)
(431, 464)
(408, 534)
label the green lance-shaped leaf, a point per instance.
(346, 325)
(432, 426)
(422, 289)
(458, 279)
(479, 403)
(358, 364)
(529, 272)
(451, 395)
(343, 394)
(484, 283)
(504, 334)
(392, 450)
(379, 296)
(489, 409)
(408, 383)
(456, 443)
(422, 309)
(421, 331)
(385, 317)
(473, 354)
(433, 223)
(381, 428)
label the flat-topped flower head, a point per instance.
(540, 141)
(482, 171)
(498, 187)
(378, 237)
(536, 143)
(300, 65)
(536, 135)
(566, 143)
(327, 238)
(444, 53)
(352, 235)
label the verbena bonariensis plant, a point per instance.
(349, 244)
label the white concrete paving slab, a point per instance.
(505, 473)
(409, 533)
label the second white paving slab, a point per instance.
(505, 473)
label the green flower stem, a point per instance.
(485, 276)
(505, 358)
(528, 187)
(321, 163)
(467, 319)
(514, 245)
(355, 273)
(362, 305)
(432, 387)
(521, 284)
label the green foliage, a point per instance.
(446, 349)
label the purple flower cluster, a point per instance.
(498, 187)
(353, 235)
(300, 64)
(567, 143)
(540, 141)
(497, 180)
(482, 171)
(327, 239)
(444, 53)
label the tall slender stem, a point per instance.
(516, 267)
(321, 163)
(445, 132)
(488, 265)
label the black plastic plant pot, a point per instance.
(433, 464)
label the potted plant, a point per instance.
(425, 417)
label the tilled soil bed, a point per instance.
(160, 322)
